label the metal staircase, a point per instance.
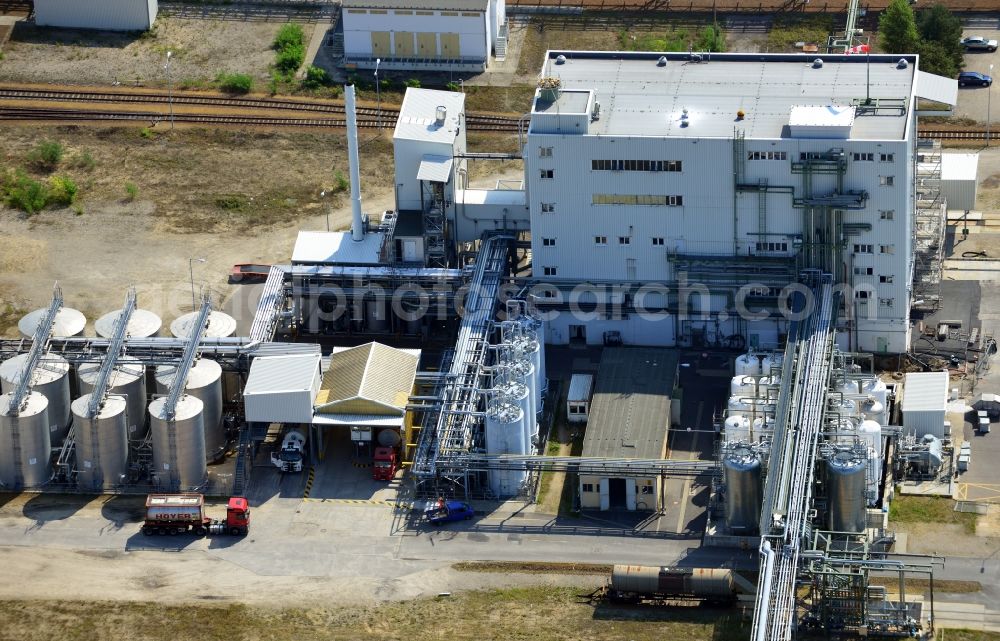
(928, 227)
(500, 44)
(434, 243)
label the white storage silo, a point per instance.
(747, 365)
(101, 444)
(522, 371)
(518, 394)
(846, 489)
(529, 343)
(128, 380)
(178, 444)
(51, 380)
(220, 325)
(25, 448)
(870, 433)
(742, 386)
(873, 386)
(772, 361)
(142, 324)
(873, 410)
(69, 322)
(505, 435)
(736, 428)
(204, 382)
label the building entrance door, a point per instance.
(616, 493)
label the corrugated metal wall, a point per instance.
(110, 15)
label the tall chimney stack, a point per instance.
(357, 225)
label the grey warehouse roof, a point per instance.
(426, 5)
(417, 115)
(925, 392)
(641, 97)
(630, 409)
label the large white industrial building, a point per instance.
(444, 35)
(108, 15)
(721, 171)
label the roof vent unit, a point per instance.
(440, 113)
(662, 62)
(560, 59)
(818, 63)
(902, 64)
(595, 112)
(684, 118)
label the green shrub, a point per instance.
(25, 193)
(289, 35)
(131, 191)
(316, 77)
(62, 191)
(454, 86)
(341, 183)
(413, 82)
(146, 133)
(290, 59)
(272, 86)
(46, 155)
(235, 82)
(84, 161)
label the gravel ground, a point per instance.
(202, 49)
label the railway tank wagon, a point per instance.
(634, 583)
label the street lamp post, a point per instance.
(191, 262)
(378, 95)
(170, 89)
(989, 95)
(326, 207)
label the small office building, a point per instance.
(581, 386)
(629, 419)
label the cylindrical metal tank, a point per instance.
(51, 380)
(846, 386)
(505, 435)
(522, 371)
(870, 433)
(531, 347)
(29, 430)
(668, 581)
(742, 386)
(747, 365)
(846, 489)
(763, 427)
(518, 394)
(220, 325)
(933, 458)
(142, 324)
(873, 386)
(179, 445)
(845, 431)
(742, 474)
(743, 406)
(69, 322)
(388, 437)
(204, 382)
(101, 444)
(763, 385)
(736, 428)
(772, 361)
(128, 380)
(846, 407)
(873, 410)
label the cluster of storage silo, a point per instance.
(857, 414)
(752, 395)
(105, 444)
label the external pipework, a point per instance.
(357, 225)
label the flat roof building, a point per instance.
(629, 419)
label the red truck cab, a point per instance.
(386, 464)
(238, 515)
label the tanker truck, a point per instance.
(181, 513)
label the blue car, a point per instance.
(974, 78)
(451, 511)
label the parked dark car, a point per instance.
(974, 79)
(437, 513)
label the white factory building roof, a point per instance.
(645, 94)
(925, 392)
(441, 5)
(325, 248)
(959, 166)
(417, 116)
(282, 389)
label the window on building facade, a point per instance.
(547, 174)
(635, 165)
(885, 278)
(549, 271)
(545, 152)
(600, 240)
(886, 214)
(637, 199)
(886, 181)
(772, 247)
(885, 302)
(548, 242)
(624, 240)
(864, 156)
(646, 489)
(862, 294)
(588, 487)
(863, 248)
(548, 208)
(658, 241)
(887, 157)
(887, 249)
(863, 271)
(767, 155)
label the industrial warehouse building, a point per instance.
(109, 15)
(629, 419)
(444, 35)
(731, 170)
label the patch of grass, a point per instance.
(233, 202)
(84, 160)
(341, 183)
(315, 77)
(532, 567)
(22, 192)
(62, 191)
(929, 509)
(967, 635)
(711, 38)
(131, 191)
(290, 46)
(147, 133)
(46, 155)
(524, 613)
(413, 83)
(238, 83)
(789, 29)
(289, 35)
(923, 585)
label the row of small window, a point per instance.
(783, 155)
(657, 241)
(643, 489)
(868, 248)
(635, 165)
(863, 296)
(407, 12)
(637, 199)
(867, 271)
(772, 247)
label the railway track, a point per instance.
(956, 134)
(388, 114)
